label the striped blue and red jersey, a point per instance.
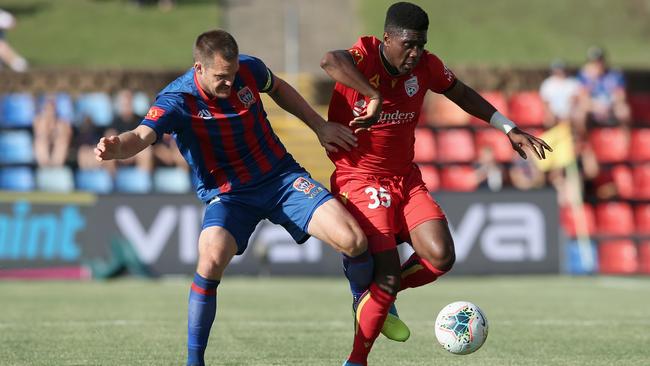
(228, 142)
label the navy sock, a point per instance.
(359, 272)
(201, 312)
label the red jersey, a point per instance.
(387, 149)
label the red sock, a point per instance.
(417, 272)
(371, 313)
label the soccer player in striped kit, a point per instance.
(379, 91)
(239, 167)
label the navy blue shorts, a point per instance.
(289, 198)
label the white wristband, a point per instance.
(501, 122)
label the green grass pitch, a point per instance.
(539, 320)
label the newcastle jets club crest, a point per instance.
(411, 86)
(246, 96)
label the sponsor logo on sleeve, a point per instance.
(357, 56)
(155, 113)
(448, 74)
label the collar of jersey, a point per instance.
(390, 69)
(201, 92)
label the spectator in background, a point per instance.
(167, 154)
(52, 131)
(602, 100)
(125, 120)
(559, 92)
(85, 140)
(7, 54)
(524, 175)
(489, 173)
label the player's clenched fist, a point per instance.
(107, 148)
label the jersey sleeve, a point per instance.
(164, 116)
(263, 76)
(442, 78)
(360, 53)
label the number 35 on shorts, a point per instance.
(378, 197)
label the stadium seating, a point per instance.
(16, 179)
(440, 111)
(611, 145)
(64, 105)
(96, 181)
(640, 107)
(496, 140)
(17, 110)
(527, 109)
(569, 223)
(16, 147)
(614, 219)
(498, 100)
(622, 176)
(455, 146)
(642, 219)
(431, 177)
(425, 146)
(640, 145)
(641, 177)
(461, 178)
(97, 107)
(618, 257)
(132, 180)
(171, 180)
(54, 179)
(644, 257)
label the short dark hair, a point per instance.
(405, 15)
(215, 42)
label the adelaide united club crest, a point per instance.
(246, 96)
(411, 86)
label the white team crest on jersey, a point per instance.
(411, 86)
(246, 96)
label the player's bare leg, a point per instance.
(333, 224)
(217, 247)
(434, 254)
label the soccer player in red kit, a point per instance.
(380, 87)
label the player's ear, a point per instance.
(198, 68)
(386, 36)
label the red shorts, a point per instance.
(386, 207)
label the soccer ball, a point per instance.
(461, 327)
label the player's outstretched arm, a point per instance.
(473, 103)
(340, 66)
(330, 135)
(126, 144)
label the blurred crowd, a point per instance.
(592, 104)
(47, 143)
(600, 167)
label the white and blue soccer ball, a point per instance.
(461, 327)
